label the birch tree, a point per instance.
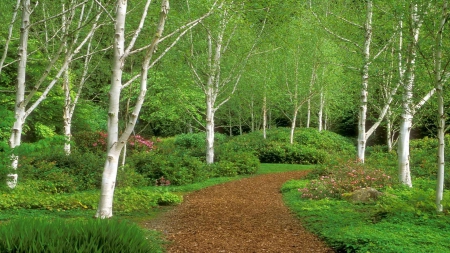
(217, 85)
(21, 109)
(364, 49)
(408, 108)
(121, 52)
(439, 79)
(114, 142)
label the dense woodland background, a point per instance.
(308, 47)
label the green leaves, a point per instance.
(53, 235)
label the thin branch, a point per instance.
(336, 35)
(347, 21)
(8, 40)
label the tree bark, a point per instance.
(209, 128)
(264, 116)
(321, 106)
(364, 85)
(293, 123)
(441, 110)
(19, 111)
(407, 101)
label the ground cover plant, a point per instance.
(403, 219)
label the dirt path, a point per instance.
(240, 216)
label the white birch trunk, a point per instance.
(110, 169)
(66, 112)
(293, 123)
(441, 111)
(209, 128)
(389, 134)
(67, 98)
(364, 85)
(252, 115)
(19, 110)
(321, 106)
(311, 84)
(264, 116)
(407, 102)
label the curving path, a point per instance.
(240, 216)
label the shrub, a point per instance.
(85, 169)
(310, 146)
(273, 152)
(167, 198)
(34, 235)
(194, 144)
(128, 177)
(223, 169)
(305, 154)
(324, 140)
(96, 142)
(245, 163)
(346, 178)
(179, 169)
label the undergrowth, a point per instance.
(36, 235)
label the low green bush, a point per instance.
(178, 168)
(245, 162)
(167, 198)
(134, 199)
(310, 146)
(194, 144)
(128, 177)
(223, 169)
(36, 235)
(77, 171)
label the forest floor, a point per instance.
(247, 215)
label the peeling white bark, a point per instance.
(407, 101)
(441, 111)
(19, 110)
(364, 85)
(321, 106)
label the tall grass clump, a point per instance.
(55, 235)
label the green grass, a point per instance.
(267, 168)
(372, 227)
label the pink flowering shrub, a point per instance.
(96, 142)
(346, 178)
(162, 182)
